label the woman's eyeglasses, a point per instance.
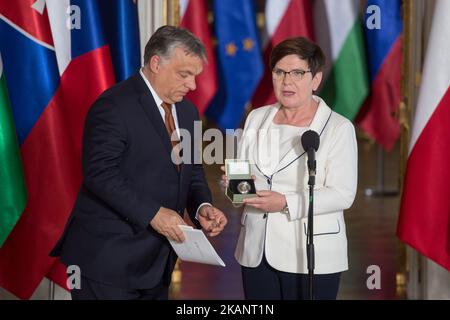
(296, 74)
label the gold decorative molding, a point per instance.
(165, 12)
(171, 10)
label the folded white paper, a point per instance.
(196, 247)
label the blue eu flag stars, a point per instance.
(239, 58)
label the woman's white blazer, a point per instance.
(280, 236)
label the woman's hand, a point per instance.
(267, 201)
(224, 179)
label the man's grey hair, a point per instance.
(167, 38)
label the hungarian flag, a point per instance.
(65, 45)
(378, 115)
(13, 194)
(339, 32)
(284, 19)
(194, 17)
(424, 220)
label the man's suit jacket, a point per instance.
(280, 236)
(128, 175)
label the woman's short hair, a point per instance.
(303, 48)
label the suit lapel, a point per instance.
(183, 123)
(148, 104)
(152, 112)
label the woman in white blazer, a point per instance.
(272, 240)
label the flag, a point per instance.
(194, 17)
(377, 116)
(70, 68)
(13, 193)
(121, 26)
(424, 218)
(284, 19)
(346, 86)
(239, 61)
(26, 44)
(146, 17)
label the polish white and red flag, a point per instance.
(194, 17)
(284, 19)
(424, 221)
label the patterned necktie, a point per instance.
(170, 127)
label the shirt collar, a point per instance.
(154, 94)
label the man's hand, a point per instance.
(212, 220)
(267, 201)
(166, 222)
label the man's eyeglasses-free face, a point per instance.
(296, 74)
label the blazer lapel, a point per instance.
(321, 117)
(318, 123)
(265, 143)
(292, 154)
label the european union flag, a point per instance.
(240, 63)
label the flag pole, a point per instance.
(380, 190)
(408, 277)
(172, 12)
(407, 86)
(51, 290)
(404, 273)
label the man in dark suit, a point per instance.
(134, 195)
